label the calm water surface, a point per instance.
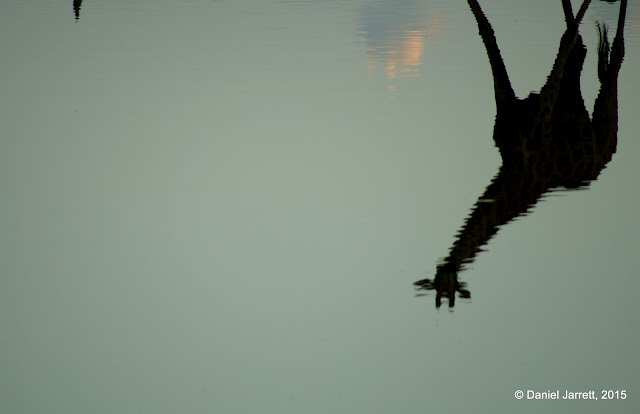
(221, 206)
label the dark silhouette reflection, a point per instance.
(76, 8)
(546, 140)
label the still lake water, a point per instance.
(221, 207)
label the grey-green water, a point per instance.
(221, 207)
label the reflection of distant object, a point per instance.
(76, 8)
(606, 11)
(396, 33)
